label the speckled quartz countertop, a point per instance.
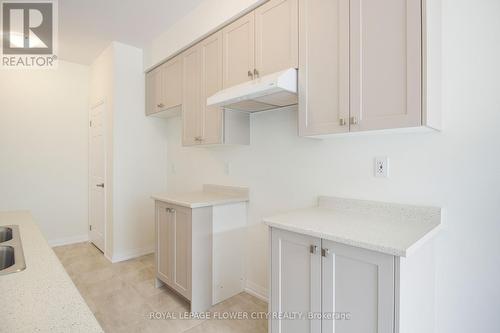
(388, 228)
(211, 195)
(42, 298)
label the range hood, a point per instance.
(268, 92)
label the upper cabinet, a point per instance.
(204, 125)
(386, 64)
(361, 66)
(262, 42)
(276, 36)
(164, 88)
(323, 67)
(238, 54)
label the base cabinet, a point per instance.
(322, 280)
(199, 252)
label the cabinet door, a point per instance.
(276, 36)
(211, 82)
(323, 67)
(154, 91)
(238, 51)
(359, 282)
(164, 244)
(172, 83)
(191, 97)
(181, 226)
(295, 280)
(385, 66)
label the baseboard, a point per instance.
(256, 290)
(68, 240)
(131, 254)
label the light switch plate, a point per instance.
(381, 167)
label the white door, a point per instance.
(97, 210)
(360, 283)
(295, 281)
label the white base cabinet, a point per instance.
(199, 251)
(331, 287)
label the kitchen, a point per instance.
(332, 137)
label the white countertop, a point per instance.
(211, 195)
(42, 298)
(388, 228)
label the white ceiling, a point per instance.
(86, 27)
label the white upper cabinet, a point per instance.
(276, 36)
(211, 82)
(191, 97)
(386, 64)
(361, 66)
(164, 88)
(238, 51)
(323, 67)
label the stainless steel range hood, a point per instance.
(266, 93)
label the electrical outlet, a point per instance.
(381, 167)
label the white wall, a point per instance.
(43, 147)
(136, 151)
(457, 169)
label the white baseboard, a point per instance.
(256, 290)
(131, 254)
(69, 240)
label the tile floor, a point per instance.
(122, 296)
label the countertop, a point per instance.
(383, 227)
(210, 195)
(42, 298)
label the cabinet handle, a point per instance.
(325, 252)
(313, 249)
(170, 210)
(354, 120)
(160, 105)
(250, 74)
(198, 138)
(255, 72)
(342, 122)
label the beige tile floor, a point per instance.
(122, 296)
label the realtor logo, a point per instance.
(29, 33)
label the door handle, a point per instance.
(100, 185)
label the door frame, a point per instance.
(89, 137)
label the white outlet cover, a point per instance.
(381, 167)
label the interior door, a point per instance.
(323, 67)
(211, 82)
(295, 281)
(238, 51)
(97, 147)
(276, 36)
(360, 283)
(386, 64)
(191, 97)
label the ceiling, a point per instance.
(86, 27)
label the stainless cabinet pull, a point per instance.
(100, 185)
(342, 122)
(160, 105)
(170, 210)
(354, 120)
(255, 72)
(325, 252)
(198, 138)
(313, 249)
(250, 74)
